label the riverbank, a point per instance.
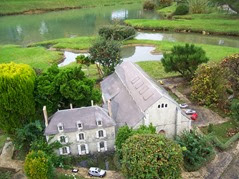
(15, 7)
(213, 23)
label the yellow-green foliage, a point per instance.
(38, 166)
(17, 105)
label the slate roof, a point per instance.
(86, 115)
(131, 92)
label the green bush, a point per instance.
(151, 156)
(198, 6)
(181, 9)
(210, 128)
(38, 166)
(149, 5)
(117, 32)
(184, 59)
(235, 109)
(163, 3)
(198, 149)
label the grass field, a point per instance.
(2, 140)
(213, 23)
(19, 6)
(37, 57)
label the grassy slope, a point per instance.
(212, 23)
(16, 6)
(37, 57)
(168, 10)
(2, 140)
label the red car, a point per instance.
(194, 116)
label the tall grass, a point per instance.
(198, 6)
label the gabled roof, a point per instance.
(86, 115)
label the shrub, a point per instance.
(198, 149)
(184, 59)
(106, 53)
(151, 156)
(231, 64)
(208, 85)
(149, 5)
(235, 109)
(198, 6)
(181, 9)
(117, 32)
(38, 166)
(210, 128)
(163, 3)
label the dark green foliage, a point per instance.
(198, 149)
(57, 88)
(17, 106)
(106, 53)
(125, 132)
(151, 156)
(6, 174)
(149, 5)
(181, 9)
(28, 134)
(235, 109)
(117, 32)
(163, 3)
(184, 59)
(84, 60)
(233, 4)
(38, 166)
(210, 128)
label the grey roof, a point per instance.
(131, 92)
(86, 115)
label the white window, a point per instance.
(99, 123)
(64, 150)
(79, 125)
(63, 139)
(83, 149)
(80, 136)
(102, 146)
(101, 133)
(60, 127)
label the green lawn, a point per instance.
(168, 10)
(214, 23)
(18, 6)
(77, 43)
(220, 130)
(2, 140)
(37, 57)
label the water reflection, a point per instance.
(120, 14)
(43, 29)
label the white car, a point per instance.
(184, 105)
(190, 111)
(96, 172)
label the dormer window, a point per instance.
(60, 127)
(99, 123)
(79, 125)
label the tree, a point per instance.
(231, 64)
(151, 156)
(184, 59)
(235, 109)
(106, 53)
(38, 166)
(57, 88)
(233, 4)
(198, 149)
(17, 106)
(209, 85)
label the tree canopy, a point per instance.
(17, 105)
(57, 88)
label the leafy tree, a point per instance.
(151, 156)
(38, 166)
(28, 134)
(209, 85)
(57, 88)
(125, 132)
(231, 63)
(184, 59)
(233, 4)
(198, 149)
(106, 53)
(235, 109)
(17, 106)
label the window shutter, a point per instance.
(97, 134)
(105, 142)
(66, 139)
(60, 150)
(86, 148)
(77, 137)
(79, 149)
(59, 138)
(104, 133)
(98, 146)
(68, 149)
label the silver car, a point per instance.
(96, 172)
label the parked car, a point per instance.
(96, 172)
(194, 116)
(190, 111)
(183, 105)
(74, 170)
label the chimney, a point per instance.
(109, 108)
(45, 115)
(71, 106)
(92, 103)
